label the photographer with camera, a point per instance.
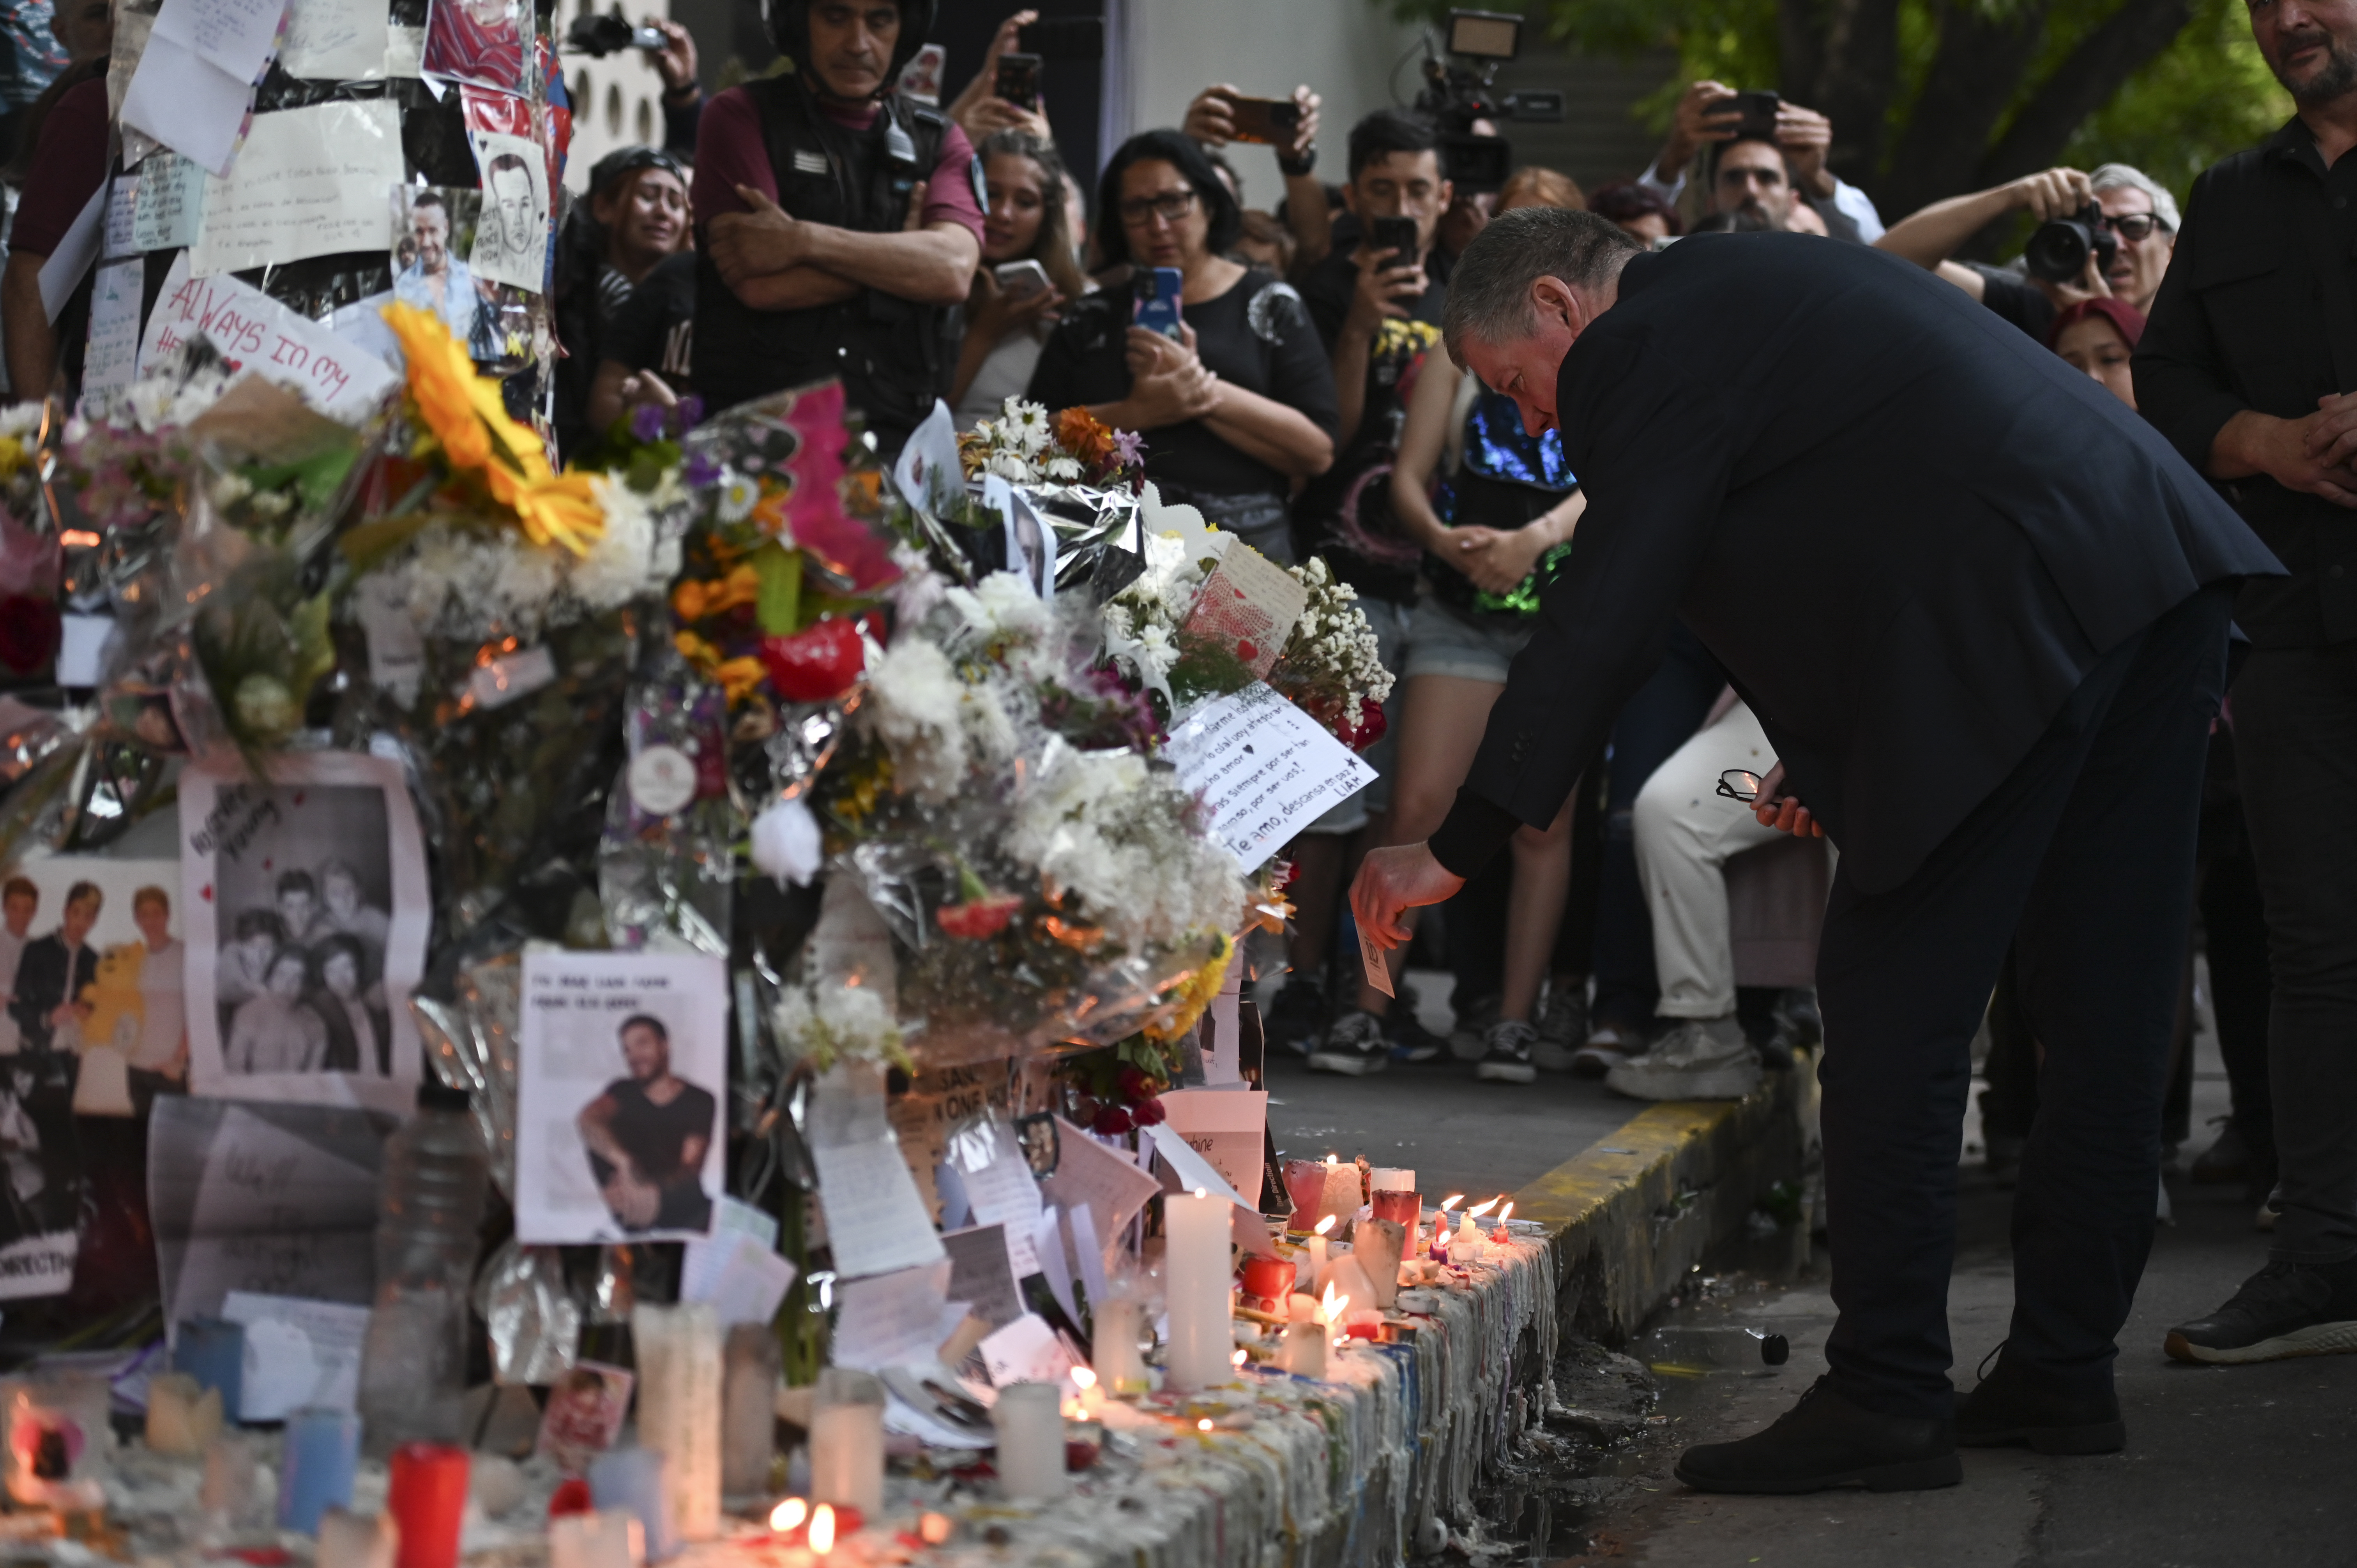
(2105, 234)
(1712, 114)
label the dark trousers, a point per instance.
(2296, 749)
(2083, 860)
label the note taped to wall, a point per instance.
(308, 182)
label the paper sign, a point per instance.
(892, 1320)
(875, 1220)
(257, 333)
(746, 1283)
(1000, 1188)
(1026, 1351)
(123, 195)
(1055, 1263)
(981, 1276)
(308, 182)
(1378, 966)
(188, 103)
(928, 474)
(237, 37)
(1226, 1126)
(1264, 768)
(1249, 603)
(708, 1256)
(1192, 1171)
(512, 236)
(337, 40)
(112, 359)
(62, 273)
(170, 204)
(298, 1352)
(1088, 1175)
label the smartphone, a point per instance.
(1393, 234)
(1759, 114)
(1268, 121)
(1158, 300)
(1020, 280)
(1018, 80)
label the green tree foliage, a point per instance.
(1930, 98)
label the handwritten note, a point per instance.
(1001, 1189)
(255, 331)
(112, 359)
(170, 205)
(1090, 1176)
(309, 182)
(337, 40)
(233, 35)
(1264, 768)
(1194, 1173)
(980, 1275)
(897, 1319)
(875, 1220)
(188, 103)
(122, 197)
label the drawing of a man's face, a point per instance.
(429, 226)
(511, 193)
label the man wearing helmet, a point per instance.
(841, 220)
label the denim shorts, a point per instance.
(1443, 641)
(1390, 624)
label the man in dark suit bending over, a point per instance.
(1981, 610)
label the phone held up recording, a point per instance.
(1271, 122)
(1018, 80)
(1157, 300)
(1396, 235)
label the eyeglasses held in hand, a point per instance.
(1171, 207)
(1737, 784)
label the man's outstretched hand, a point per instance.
(1774, 808)
(1391, 880)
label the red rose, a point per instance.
(29, 629)
(1368, 728)
(1148, 1112)
(1136, 1085)
(1113, 1121)
(977, 918)
(816, 664)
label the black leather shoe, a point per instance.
(2014, 1405)
(1825, 1441)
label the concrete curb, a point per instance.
(1632, 1216)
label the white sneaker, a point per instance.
(1701, 1059)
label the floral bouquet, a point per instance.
(1028, 446)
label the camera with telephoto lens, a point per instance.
(2058, 251)
(1457, 92)
(599, 37)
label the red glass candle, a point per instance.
(1407, 1207)
(428, 1499)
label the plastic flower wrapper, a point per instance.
(1027, 445)
(667, 861)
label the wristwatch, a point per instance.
(1295, 169)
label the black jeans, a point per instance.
(2082, 861)
(2296, 749)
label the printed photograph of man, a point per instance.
(158, 1054)
(437, 280)
(647, 1135)
(20, 900)
(53, 972)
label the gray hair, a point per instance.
(1489, 289)
(2120, 177)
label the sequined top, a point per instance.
(1509, 481)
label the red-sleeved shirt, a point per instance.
(729, 152)
(69, 164)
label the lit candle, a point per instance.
(427, 1500)
(183, 1415)
(748, 1412)
(599, 1538)
(1120, 1368)
(632, 1479)
(1196, 1230)
(213, 1352)
(678, 1351)
(935, 1529)
(323, 1449)
(1499, 1235)
(357, 1541)
(1469, 1245)
(1091, 1398)
(821, 1534)
(1317, 1260)
(1341, 1197)
(789, 1515)
(1030, 1427)
(1305, 1338)
(846, 1439)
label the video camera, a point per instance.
(599, 37)
(1457, 91)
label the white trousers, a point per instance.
(1686, 832)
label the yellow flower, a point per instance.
(696, 651)
(740, 678)
(692, 601)
(1195, 994)
(12, 457)
(559, 509)
(441, 382)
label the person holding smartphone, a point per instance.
(1238, 402)
(983, 109)
(1711, 113)
(1029, 272)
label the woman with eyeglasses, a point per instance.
(1239, 405)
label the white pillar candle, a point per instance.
(1305, 1338)
(1029, 1419)
(1342, 1197)
(1196, 1276)
(1120, 1368)
(1390, 1178)
(183, 1415)
(678, 1351)
(1467, 1245)
(348, 1540)
(600, 1539)
(748, 1411)
(846, 1441)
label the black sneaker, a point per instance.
(2015, 1404)
(1506, 1053)
(2284, 1310)
(1798, 1022)
(1411, 1041)
(1295, 1019)
(1825, 1441)
(1353, 1044)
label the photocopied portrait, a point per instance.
(623, 1061)
(511, 239)
(307, 908)
(433, 227)
(481, 41)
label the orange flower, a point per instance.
(692, 601)
(1083, 435)
(740, 677)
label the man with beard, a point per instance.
(437, 280)
(647, 1135)
(2245, 368)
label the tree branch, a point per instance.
(1974, 76)
(1801, 30)
(2128, 39)
(1858, 72)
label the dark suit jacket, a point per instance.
(43, 985)
(1905, 529)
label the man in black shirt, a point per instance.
(2246, 368)
(647, 1135)
(54, 971)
